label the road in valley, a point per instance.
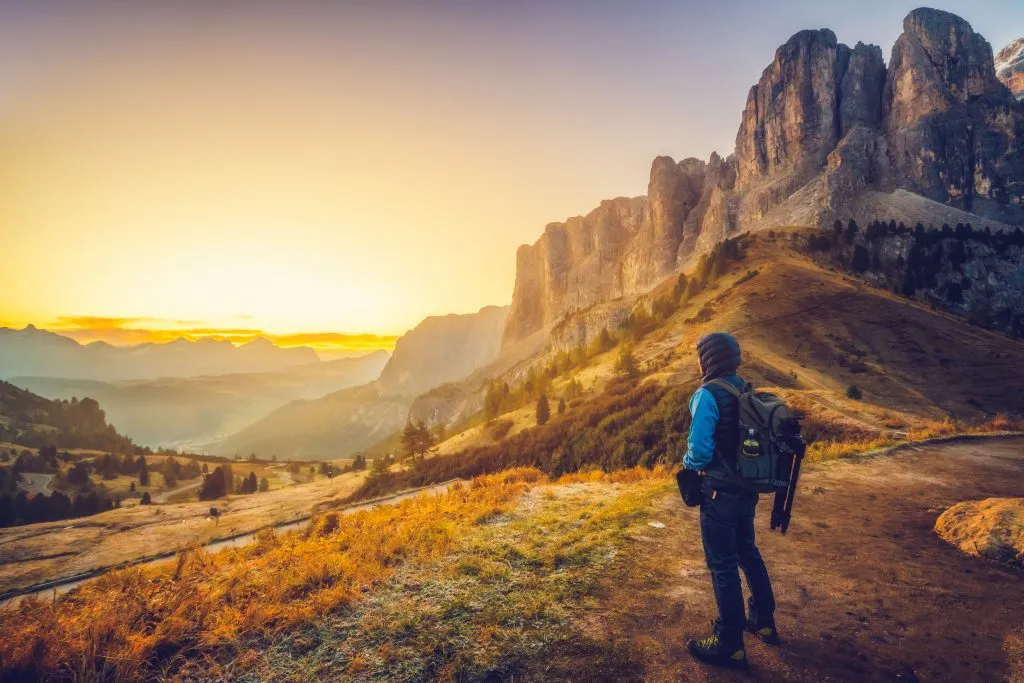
(35, 482)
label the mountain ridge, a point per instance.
(32, 351)
(827, 132)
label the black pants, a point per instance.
(727, 532)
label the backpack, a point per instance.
(764, 460)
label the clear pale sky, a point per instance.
(298, 167)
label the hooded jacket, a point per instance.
(715, 424)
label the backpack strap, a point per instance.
(729, 387)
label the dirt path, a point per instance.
(163, 497)
(866, 590)
(34, 483)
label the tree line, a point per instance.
(625, 426)
(73, 423)
(930, 264)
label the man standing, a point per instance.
(727, 511)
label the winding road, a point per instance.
(35, 482)
(163, 497)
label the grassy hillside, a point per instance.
(334, 426)
(30, 420)
(593, 577)
(863, 367)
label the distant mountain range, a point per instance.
(181, 412)
(39, 353)
(440, 349)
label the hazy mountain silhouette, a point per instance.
(39, 353)
(179, 412)
(440, 349)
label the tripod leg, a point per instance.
(787, 509)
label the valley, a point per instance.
(51, 550)
(184, 413)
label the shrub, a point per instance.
(854, 392)
(498, 429)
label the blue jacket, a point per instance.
(704, 411)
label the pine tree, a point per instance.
(561, 406)
(626, 365)
(144, 474)
(417, 440)
(861, 259)
(543, 410)
(264, 485)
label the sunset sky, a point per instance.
(298, 168)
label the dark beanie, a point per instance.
(718, 354)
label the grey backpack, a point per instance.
(763, 460)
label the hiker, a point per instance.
(727, 509)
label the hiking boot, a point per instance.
(765, 631)
(715, 651)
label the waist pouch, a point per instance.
(689, 483)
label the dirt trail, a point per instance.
(35, 483)
(866, 590)
(165, 496)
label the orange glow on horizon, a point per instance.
(132, 331)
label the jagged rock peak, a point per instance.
(954, 132)
(948, 60)
(1009, 65)
(813, 92)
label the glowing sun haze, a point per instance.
(244, 168)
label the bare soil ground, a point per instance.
(867, 591)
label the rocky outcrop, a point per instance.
(789, 121)
(574, 264)
(1010, 67)
(824, 126)
(953, 130)
(621, 248)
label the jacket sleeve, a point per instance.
(701, 444)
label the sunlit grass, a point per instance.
(132, 623)
(832, 449)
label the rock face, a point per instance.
(442, 349)
(824, 126)
(1010, 67)
(789, 121)
(952, 128)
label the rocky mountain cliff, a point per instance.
(1010, 67)
(443, 348)
(827, 132)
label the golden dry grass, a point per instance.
(127, 623)
(830, 449)
(992, 528)
(32, 553)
